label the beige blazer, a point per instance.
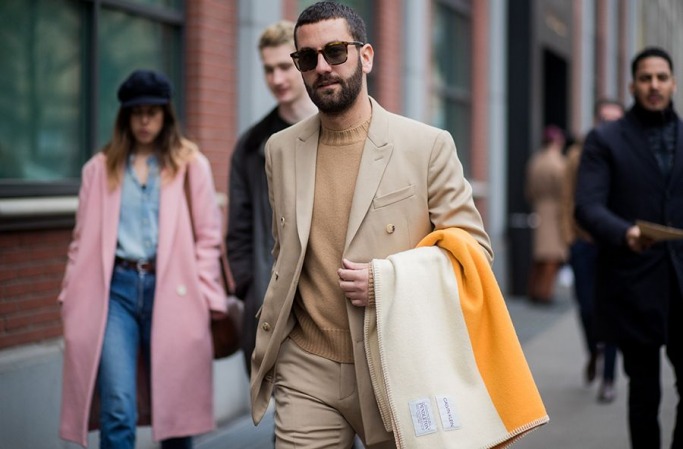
(409, 183)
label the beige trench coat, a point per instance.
(544, 189)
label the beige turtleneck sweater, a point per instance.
(320, 307)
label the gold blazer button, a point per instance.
(390, 229)
(266, 327)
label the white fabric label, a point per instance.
(449, 414)
(423, 417)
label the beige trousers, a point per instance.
(316, 402)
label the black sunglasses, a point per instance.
(335, 53)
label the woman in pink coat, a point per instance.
(139, 288)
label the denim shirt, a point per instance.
(138, 230)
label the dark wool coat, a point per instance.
(250, 238)
(620, 182)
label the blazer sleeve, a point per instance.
(450, 195)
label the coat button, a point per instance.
(181, 290)
(390, 229)
(266, 327)
(282, 221)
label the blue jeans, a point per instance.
(128, 331)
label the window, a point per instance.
(40, 95)
(451, 79)
(62, 63)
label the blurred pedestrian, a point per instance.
(249, 240)
(139, 287)
(544, 179)
(630, 170)
(583, 256)
(352, 183)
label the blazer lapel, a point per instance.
(376, 155)
(304, 159)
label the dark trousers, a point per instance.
(642, 366)
(583, 260)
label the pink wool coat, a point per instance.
(188, 286)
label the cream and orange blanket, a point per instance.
(446, 364)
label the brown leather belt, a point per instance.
(142, 266)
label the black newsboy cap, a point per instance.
(144, 87)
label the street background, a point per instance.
(493, 73)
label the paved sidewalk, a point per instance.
(577, 421)
(551, 339)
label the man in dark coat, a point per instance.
(249, 240)
(632, 169)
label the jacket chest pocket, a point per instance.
(393, 197)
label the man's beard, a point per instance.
(336, 104)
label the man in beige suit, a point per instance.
(350, 184)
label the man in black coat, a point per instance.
(250, 241)
(632, 169)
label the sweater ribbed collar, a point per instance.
(349, 136)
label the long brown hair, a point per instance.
(172, 148)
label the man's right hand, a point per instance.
(636, 241)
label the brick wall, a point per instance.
(388, 47)
(211, 81)
(31, 269)
(290, 10)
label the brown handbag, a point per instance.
(225, 331)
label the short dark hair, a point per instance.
(329, 10)
(650, 52)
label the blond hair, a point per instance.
(279, 33)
